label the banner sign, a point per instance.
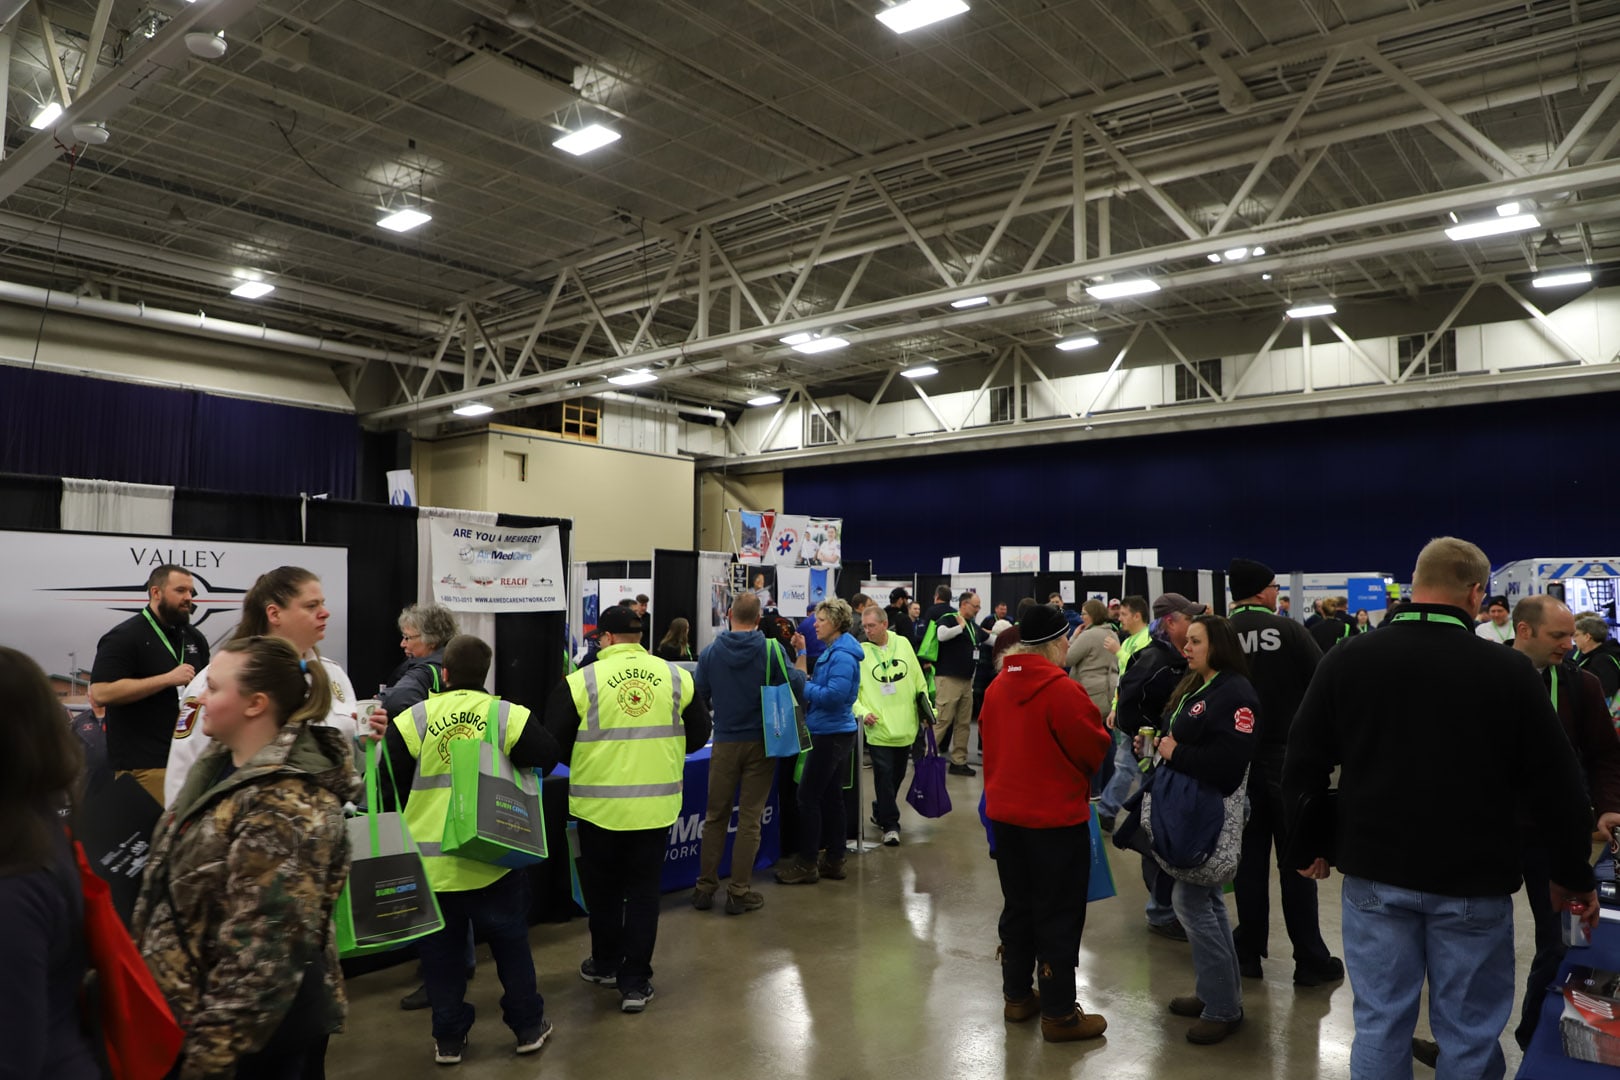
(495, 568)
(614, 590)
(793, 591)
(71, 588)
(1020, 560)
(799, 540)
(756, 535)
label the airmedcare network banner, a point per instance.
(496, 568)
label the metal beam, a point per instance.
(1050, 388)
(1599, 106)
(1108, 376)
(1358, 352)
(1258, 359)
(995, 370)
(92, 51)
(1175, 213)
(815, 407)
(871, 406)
(1445, 324)
(52, 54)
(776, 421)
(1291, 192)
(1548, 330)
(817, 248)
(1181, 358)
(911, 230)
(658, 297)
(725, 261)
(943, 426)
(1030, 177)
(1445, 112)
(613, 342)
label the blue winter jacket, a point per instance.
(829, 696)
(729, 676)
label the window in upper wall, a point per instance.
(1001, 403)
(1442, 359)
(1189, 388)
(581, 421)
(822, 427)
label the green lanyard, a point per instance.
(1429, 616)
(1498, 630)
(1190, 694)
(1555, 688)
(167, 644)
(967, 625)
(1250, 607)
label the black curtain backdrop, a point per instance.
(674, 595)
(1009, 589)
(1112, 584)
(219, 515)
(851, 577)
(30, 502)
(1220, 592)
(382, 578)
(1184, 582)
(1136, 582)
(531, 646)
(926, 584)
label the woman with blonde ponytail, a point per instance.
(235, 915)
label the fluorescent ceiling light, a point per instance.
(797, 339)
(1474, 230)
(972, 301)
(916, 14)
(1568, 277)
(1507, 209)
(1234, 254)
(1214, 257)
(473, 408)
(1257, 252)
(1113, 290)
(633, 378)
(764, 399)
(1307, 311)
(820, 345)
(1085, 341)
(253, 290)
(46, 117)
(404, 220)
(588, 138)
(919, 371)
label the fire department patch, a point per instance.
(1197, 709)
(1243, 720)
(191, 711)
(635, 697)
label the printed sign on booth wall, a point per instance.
(497, 568)
(1020, 560)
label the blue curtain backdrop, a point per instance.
(1521, 479)
(68, 425)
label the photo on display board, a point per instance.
(752, 541)
(821, 545)
(762, 580)
(719, 605)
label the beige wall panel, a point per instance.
(718, 493)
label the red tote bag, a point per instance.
(141, 1037)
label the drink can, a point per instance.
(1150, 753)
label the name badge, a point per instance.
(890, 688)
(975, 656)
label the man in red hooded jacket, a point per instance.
(1043, 740)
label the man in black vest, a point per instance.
(961, 647)
(1282, 658)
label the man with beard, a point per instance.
(140, 666)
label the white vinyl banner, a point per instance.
(72, 588)
(495, 568)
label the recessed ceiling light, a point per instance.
(797, 339)
(1258, 251)
(46, 117)
(253, 290)
(916, 14)
(404, 220)
(588, 138)
(1214, 256)
(972, 301)
(820, 345)
(1265, 277)
(1558, 280)
(1113, 290)
(1307, 311)
(1084, 341)
(1507, 209)
(1234, 254)
(918, 371)
(1496, 226)
(764, 399)
(473, 408)
(633, 378)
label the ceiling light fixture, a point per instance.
(253, 290)
(633, 378)
(1114, 290)
(797, 339)
(915, 14)
(1084, 341)
(1507, 209)
(473, 408)
(46, 116)
(521, 16)
(206, 46)
(1258, 251)
(972, 301)
(91, 133)
(764, 399)
(403, 221)
(820, 345)
(918, 371)
(1310, 311)
(1234, 254)
(588, 138)
(1562, 278)
(1496, 226)
(1214, 257)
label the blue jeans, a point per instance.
(1202, 911)
(1126, 772)
(500, 912)
(1394, 938)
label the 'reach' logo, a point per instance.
(1243, 720)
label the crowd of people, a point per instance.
(1203, 744)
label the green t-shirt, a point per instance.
(891, 679)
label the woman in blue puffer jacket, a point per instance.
(829, 714)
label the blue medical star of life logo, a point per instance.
(784, 543)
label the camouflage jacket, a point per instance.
(249, 867)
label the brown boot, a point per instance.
(1016, 1012)
(1077, 1025)
(831, 869)
(797, 873)
(1210, 1032)
(1187, 1006)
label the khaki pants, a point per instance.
(731, 764)
(150, 779)
(954, 710)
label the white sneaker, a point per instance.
(891, 838)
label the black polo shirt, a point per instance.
(139, 732)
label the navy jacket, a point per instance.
(730, 673)
(830, 694)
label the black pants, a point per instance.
(821, 797)
(1550, 947)
(1267, 827)
(888, 770)
(1044, 876)
(619, 874)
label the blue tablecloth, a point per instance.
(1545, 1059)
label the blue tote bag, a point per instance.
(779, 708)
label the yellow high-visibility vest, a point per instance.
(630, 754)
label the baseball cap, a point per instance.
(898, 594)
(1173, 603)
(619, 620)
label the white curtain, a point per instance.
(111, 507)
(478, 623)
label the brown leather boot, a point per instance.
(832, 870)
(1209, 1032)
(1077, 1025)
(1016, 1012)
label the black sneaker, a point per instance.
(448, 1051)
(1318, 972)
(962, 770)
(1249, 967)
(588, 972)
(532, 1039)
(1426, 1051)
(416, 999)
(634, 1001)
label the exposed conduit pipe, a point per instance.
(658, 406)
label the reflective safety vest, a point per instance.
(630, 753)
(428, 728)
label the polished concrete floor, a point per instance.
(888, 975)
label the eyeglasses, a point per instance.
(410, 637)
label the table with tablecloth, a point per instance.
(1545, 1059)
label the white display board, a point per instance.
(495, 568)
(978, 584)
(612, 590)
(71, 588)
(1020, 560)
(1060, 562)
